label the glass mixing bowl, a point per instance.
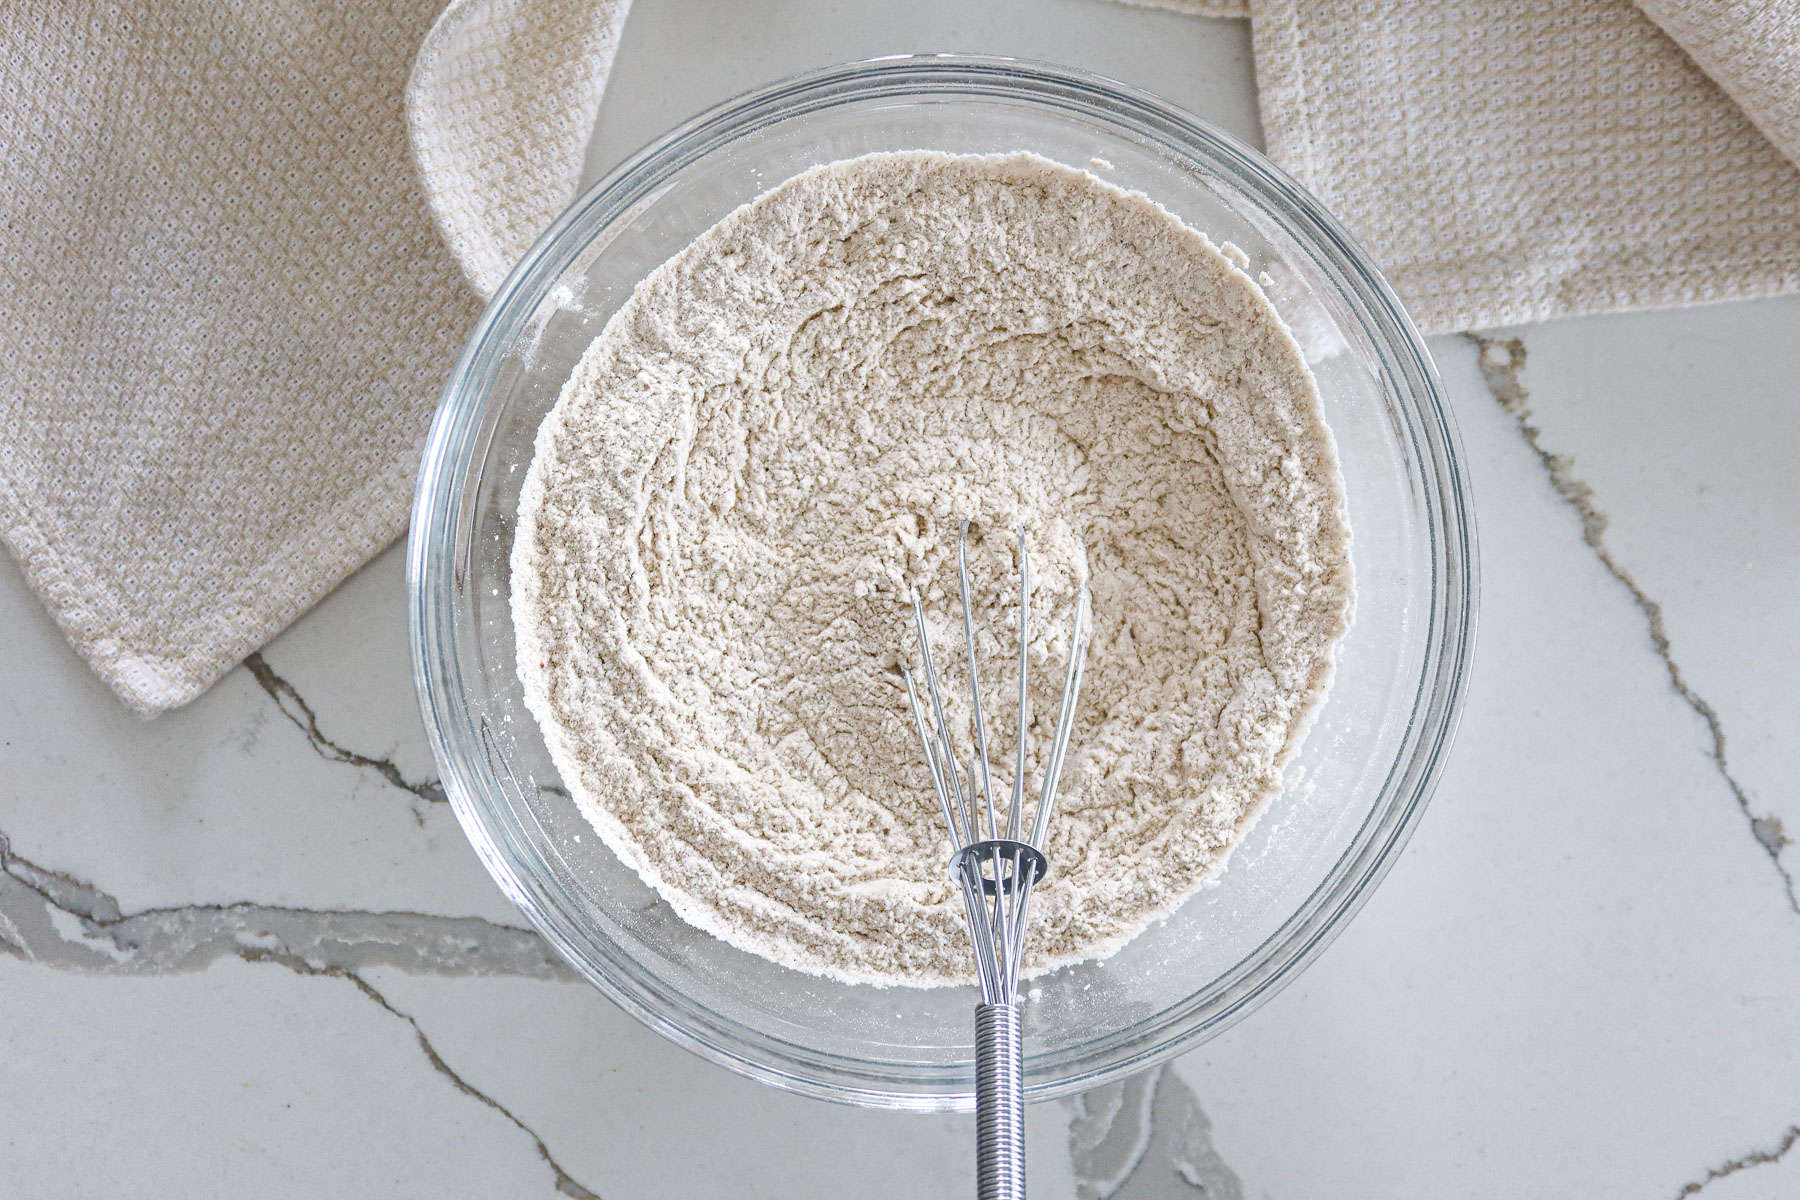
(1353, 793)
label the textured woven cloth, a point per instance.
(1751, 48)
(225, 311)
(1510, 160)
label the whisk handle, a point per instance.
(999, 1103)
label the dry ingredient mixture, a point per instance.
(776, 438)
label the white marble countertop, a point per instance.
(248, 952)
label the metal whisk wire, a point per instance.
(996, 874)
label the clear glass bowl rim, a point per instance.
(1409, 376)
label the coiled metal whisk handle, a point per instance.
(995, 873)
(999, 1103)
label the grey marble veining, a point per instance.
(292, 705)
(1704, 400)
(245, 949)
(1502, 362)
(54, 919)
(1772, 1156)
(1146, 1138)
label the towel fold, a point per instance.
(1751, 49)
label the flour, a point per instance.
(775, 439)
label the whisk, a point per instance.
(997, 872)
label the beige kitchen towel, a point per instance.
(225, 309)
(1751, 48)
(1510, 160)
(500, 108)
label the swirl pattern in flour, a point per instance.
(775, 438)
